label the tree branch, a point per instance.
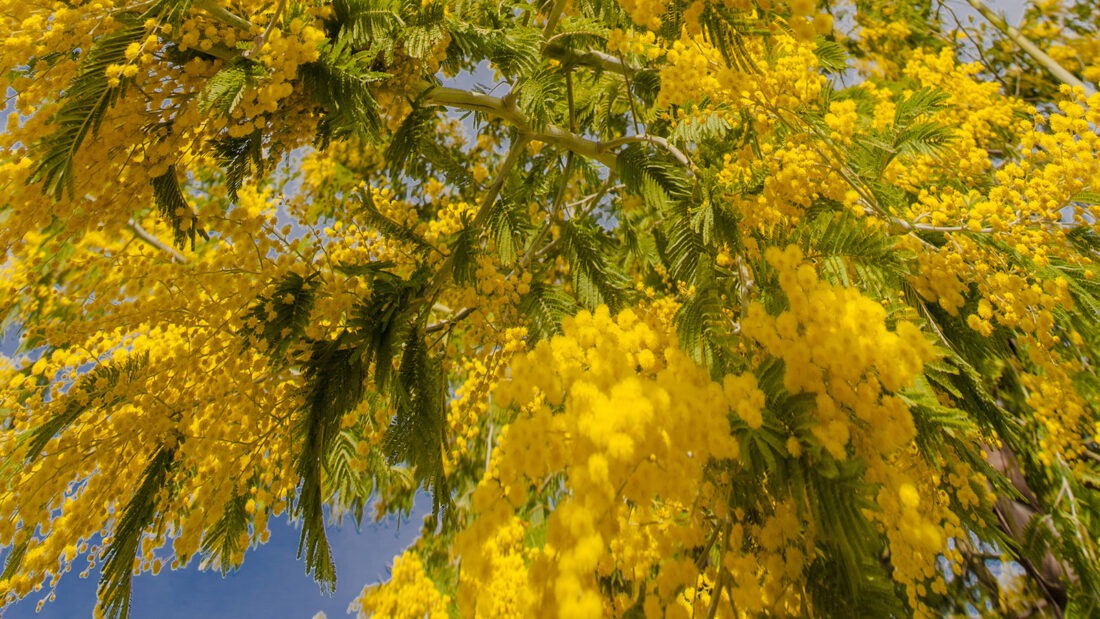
(655, 140)
(495, 106)
(219, 13)
(1029, 48)
(553, 17)
(153, 241)
(443, 324)
(594, 59)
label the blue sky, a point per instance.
(271, 583)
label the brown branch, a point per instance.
(153, 241)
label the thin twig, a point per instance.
(655, 140)
(443, 324)
(594, 59)
(498, 107)
(482, 212)
(153, 241)
(219, 13)
(258, 44)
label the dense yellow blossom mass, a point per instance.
(690, 308)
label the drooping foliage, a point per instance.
(674, 308)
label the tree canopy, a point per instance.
(684, 308)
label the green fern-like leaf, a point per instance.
(540, 96)
(240, 157)
(340, 83)
(545, 306)
(662, 183)
(417, 127)
(509, 227)
(416, 435)
(118, 566)
(281, 318)
(173, 207)
(831, 55)
(84, 107)
(335, 375)
(224, 542)
(516, 51)
(225, 90)
(595, 280)
(464, 252)
(369, 23)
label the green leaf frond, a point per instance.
(240, 157)
(509, 227)
(86, 103)
(335, 375)
(595, 278)
(225, 542)
(464, 252)
(540, 98)
(116, 579)
(369, 24)
(340, 83)
(544, 307)
(172, 205)
(660, 181)
(224, 91)
(281, 318)
(416, 435)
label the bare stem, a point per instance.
(655, 140)
(153, 241)
(1025, 44)
(495, 106)
(553, 17)
(219, 13)
(258, 44)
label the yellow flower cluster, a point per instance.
(841, 119)
(498, 583)
(632, 42)
(691, 73)
(448, 219)
(773, 191)
(468, 410)
(618, 441)
(408, 594)
(976, 113)
(885, 39)
(846, 356)
(645, 13)
(939, 275)
(855, 366)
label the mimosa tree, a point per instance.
(700, 308)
